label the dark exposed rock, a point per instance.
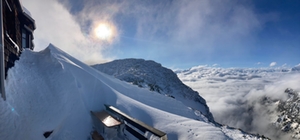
(47, 134)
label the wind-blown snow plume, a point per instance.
(56, 25)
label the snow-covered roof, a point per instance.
(25, 10)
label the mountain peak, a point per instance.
(153, 76)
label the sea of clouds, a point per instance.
(234, 95)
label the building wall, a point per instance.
(13, 22)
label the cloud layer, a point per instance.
(234, 95)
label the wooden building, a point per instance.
(18, 27)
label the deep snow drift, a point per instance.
(50, 90)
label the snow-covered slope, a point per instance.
(50, 90)
(236, 96)
(153, 76)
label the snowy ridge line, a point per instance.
(154, 77)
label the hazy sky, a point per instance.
(175, 33)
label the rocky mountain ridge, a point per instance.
(288, 119)
(153, 76)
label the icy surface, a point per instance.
(50, 90)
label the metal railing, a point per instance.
(2, 65)
(135, 126)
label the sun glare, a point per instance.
(103, 32)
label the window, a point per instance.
(27, 37)
(24, 39)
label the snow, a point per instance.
(51, 90)
(11, 40)
(153, 76)
(26, 11)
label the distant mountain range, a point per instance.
(296, 68)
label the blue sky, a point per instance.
(175, 33)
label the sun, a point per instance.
(104, 31)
